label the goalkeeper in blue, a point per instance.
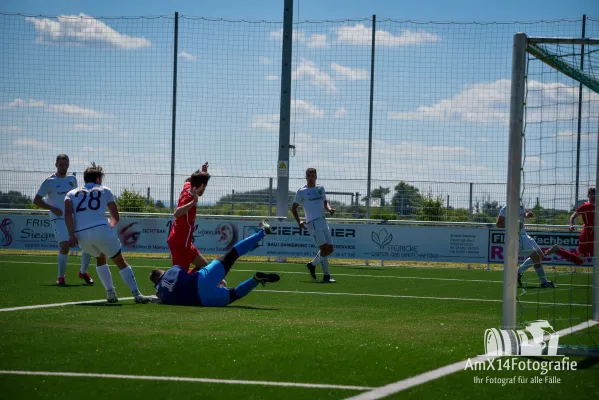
(203, 288)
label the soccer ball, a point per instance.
(222, 283)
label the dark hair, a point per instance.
(310, 170)
(156, 274)
(591, 191)
(198, 178)
(62, 157)
(91, 174)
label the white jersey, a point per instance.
(312, 198)
(503, 213)
(89, 205)
(54, 189)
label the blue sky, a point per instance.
(101, 91)
(427, 10)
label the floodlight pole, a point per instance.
(512, 227)
(595, 289)
(285, 113)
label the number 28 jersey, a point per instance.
(89, 205)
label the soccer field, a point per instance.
(295, 339)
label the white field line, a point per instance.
(398, 296)
(185, 379)
(404, 384)
(391, 296)
(305, 273)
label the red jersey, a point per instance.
(182, 230)
(587, 212)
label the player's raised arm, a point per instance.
(193, 196)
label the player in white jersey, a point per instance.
(314, 200)
(85, 209)
(54, 188)
(528, 247)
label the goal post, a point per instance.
(544, 117)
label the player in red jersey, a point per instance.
(180, 238)
(586, 240)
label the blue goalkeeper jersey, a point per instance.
(177, 287)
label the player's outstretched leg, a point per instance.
(247, 286)
(129, 278)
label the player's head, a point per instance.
(62, 164)
(93, 174)
(311, 176)
(591, 194)
(156, 274)
(199, 179)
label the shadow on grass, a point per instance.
(104, 304)
(254, 308)
(65, 286)
(367, 268)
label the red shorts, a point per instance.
(586, 242)
(182, 255)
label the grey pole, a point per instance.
(470, 211)
(584, 22)
(369, 181)
(285, 113)
(595, 295)
(269, 197)
(512, 229)
(174, 110)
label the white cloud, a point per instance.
(33, 143)
(489, 102)
(306, 108)
(58, 108)
(308, 69)
(360, 35)
(264, 60)
(272, 77)
(83, 30)
(353, 74)
(268, 122)
(10, 129)
(340, 113)
(314, 41)
(187, 56)
(318, 41)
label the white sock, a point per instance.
(525, 265)
(62, 264)
(315, 259)
(129, 279)
(324, 262)
(85, 257)
(105, 276)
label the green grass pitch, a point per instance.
(375, 326)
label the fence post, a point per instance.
(269, 197)
(470, 210)
(368, 183)
(584, 21)
(174, 111)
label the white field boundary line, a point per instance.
(399, 296)
(408, 383)
(391, 296)
(185, 379)
(305, 273)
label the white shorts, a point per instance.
(60, 230)
(319, 230)
(528, 245)
(98, 240)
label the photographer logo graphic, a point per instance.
(382, 238)
(6, 229)
(537, 339)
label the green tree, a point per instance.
(431, 208)
(378, 193)
(130, 201)
(491, 208)
(406, 199)
(14, 199)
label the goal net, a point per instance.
(554, 120)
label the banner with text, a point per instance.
(363, 241)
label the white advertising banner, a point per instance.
(382, 242)
(362, 241)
